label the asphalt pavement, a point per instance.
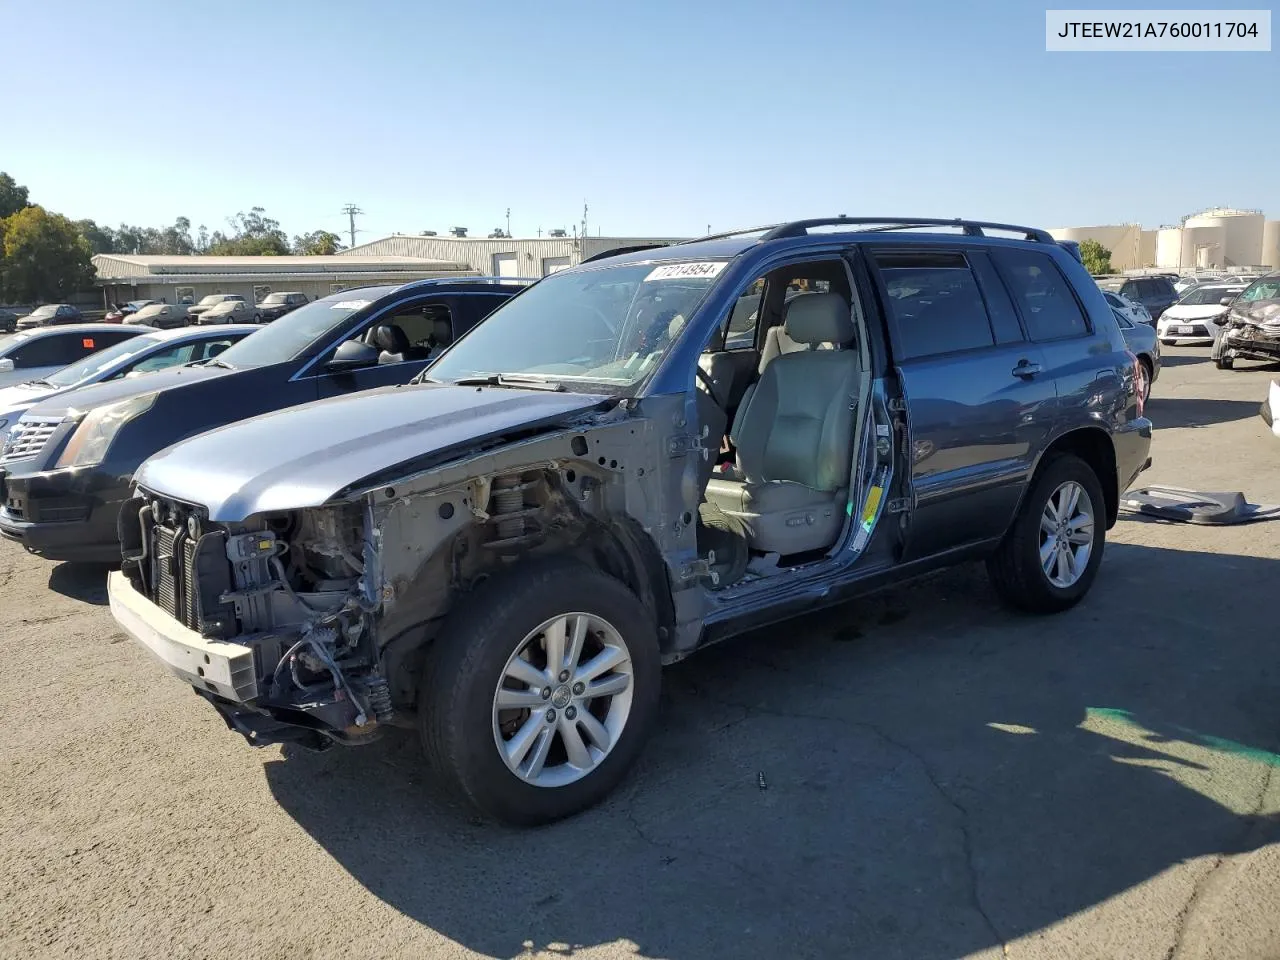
(917, 775)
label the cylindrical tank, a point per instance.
(1202, 247)
(1123, 240)
(1271, 245)
(1241, 234)
(1169, 249)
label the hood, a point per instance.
(1188, 312)
(303, 456)
(99, 394)
(15, 399)
(1257, 312)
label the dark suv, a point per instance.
(275, 305)
(1156, 293)
(66, 466)
(598, 480)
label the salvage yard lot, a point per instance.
(916, 775)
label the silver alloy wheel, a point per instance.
(1066, 534)
(563, 700)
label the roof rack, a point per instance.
(971, 228)
(800, 228)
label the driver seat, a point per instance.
(794, 435)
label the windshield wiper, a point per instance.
(510, 380)
(214, 362)
(39, 383)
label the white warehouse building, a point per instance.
(1220, 238)
(529, 257)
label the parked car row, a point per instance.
(491, 511)
(215, 308)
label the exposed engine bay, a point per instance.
(336, 603)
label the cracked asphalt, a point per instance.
(917, 775)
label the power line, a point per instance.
(351, 210)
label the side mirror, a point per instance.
(1226, 301)
(6, 365)
(352, 355)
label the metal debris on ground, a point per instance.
(1180, 505)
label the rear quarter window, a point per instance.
(934, 303)
(1042, 294)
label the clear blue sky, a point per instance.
(665, 116)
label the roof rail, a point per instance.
(972, 228)
(618, 251)
(728, 234)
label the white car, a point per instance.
(133, 356)
(211, 301)
(229, 311)
(1198, 315)
(1133, 311)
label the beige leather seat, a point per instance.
(794, 435)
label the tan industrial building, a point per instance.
(1221, 238)
(530, 257)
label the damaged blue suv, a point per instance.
(629, 460)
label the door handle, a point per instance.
(1026, 369)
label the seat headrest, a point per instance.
(815, 318)
(391, 338)
(441, 331)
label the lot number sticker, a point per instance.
(687, 271)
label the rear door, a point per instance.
(979, 405)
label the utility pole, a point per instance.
(351, 210)
(508, 221)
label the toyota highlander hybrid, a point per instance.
(596, 481)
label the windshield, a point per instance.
(139, 304)
(1202, 296)
(288, 338)
(98, 362)
(1267, 288)
(211, 299)
(150, 311)
(1112, 286)
(274, 298)
(46, 311)
(609, 325)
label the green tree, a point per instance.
(100, 239)
(318, 243)
(12, 196)
(253, 235)
(45, 256)
(1096, 257)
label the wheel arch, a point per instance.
(1093, 445)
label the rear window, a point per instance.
(935, 303)
(1043, 295)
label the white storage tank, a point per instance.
(1271, 245)
(1241, 234)
(1202, 246)
(1169, 249)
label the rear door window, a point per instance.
(1043, 295)
(54, 351)
(934, 302)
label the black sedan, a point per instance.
(60, 496)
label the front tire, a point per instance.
(540, 691)
(1050, 556)
(1225, 362)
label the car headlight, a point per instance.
(92, 438)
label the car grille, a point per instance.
(27, 439)
(174, 575)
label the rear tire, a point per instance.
(470, 666)
(1148, 371)
(1225, 363)
(1016, 569)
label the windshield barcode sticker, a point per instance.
(687, 271)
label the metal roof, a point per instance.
(115, 266)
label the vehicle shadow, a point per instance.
(81, 581)
(1166, 412)
(916, 775)
(1180, 360)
